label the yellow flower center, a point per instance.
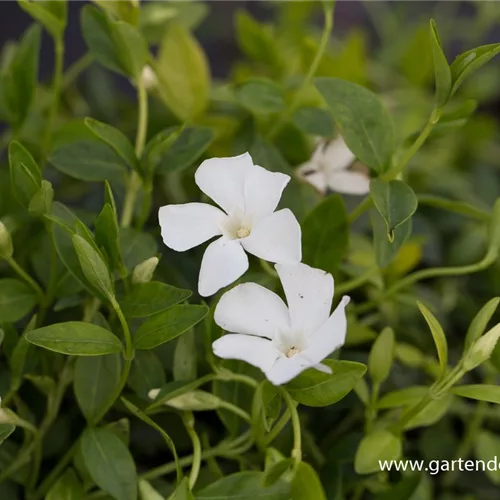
(292, 352)
(243, 232)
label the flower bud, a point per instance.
(6, 248)
(149, 78)
(143, 272)
(481, 349)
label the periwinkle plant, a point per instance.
(133, 366)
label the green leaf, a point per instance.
(266, 406)
(468, 62)
(182, 492)
(185, 359)
(115, 44)
(125, 10)
(109, 463)
(442, 73)
(88, 160)
(18, 81)
(480, 322)
(363, 121)
(136, 247)
(407, 488)
(146, 373)
(386, 250)
(314, 121)
(432, 413)
(314, 388)
(146, 491)
(487, 446)
(52, 15)
(377, 446)
(168, 325)
(244, 486)
(188, 146)
(395, 201)
(93, 267)
(25, 174)
(325, 234)
(381, 356)
(17, 299)
(480, 392)
(76, 339)
(95, 381)
(275, 470)
(403, 397)
(306, 484)
(115, 139)
(183, 72)
(438, 336)
(147, 299)
(5, 431)
(261, 96)
(41, 203)
(107, 236)
(67, 487)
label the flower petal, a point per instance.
(276, 238)
(286, 369)
(223, 180)
(263, 191)
(309, 172)
(330, 336)
(253, 310)
(309, 294)
(349, 182)
(189, 225)
(337, 156)
(257, 351)
(224, 261)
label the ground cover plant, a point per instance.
(265, 284)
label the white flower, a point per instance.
(248, 194)
(282, 341)
(329, 168)
(149, 78)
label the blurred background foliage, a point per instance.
(236, 85)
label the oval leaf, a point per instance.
(378, 446)
(442, 73)
(438, 336)
(16, 300)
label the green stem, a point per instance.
(237, 411)
(355, 282)
(56, 90)
(129, 348)
(280, 425)
(328, 10)
(134, 182)
(26, 277)
(297, 436)
(195, 469)
(268, 269)
(76, 69)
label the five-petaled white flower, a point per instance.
(282, 341)
(248, 195)
(329, 168)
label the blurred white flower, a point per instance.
(149, 78)
(248, 195)
(329, 167)
(282, 341)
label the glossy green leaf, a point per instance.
(470, 61)
(25, 174)
(107, 236)
(314, 121)
(147, 299)
(261, 96)
(93, 266)
(115, 139)
(480, 322)
(432, 413)
(386, 250)
(41, 203)
(88, 160)
(76, 339)
(109, 463)
(95, 381)
(306, 484)
(146, 373)
(381, 356)
(168, 325)
(325, 234)
(183, 72)
(395, 201)
(244, 486)
(17, 299)
(378, 446)
(480, 392)
(403, 397)
(438, 336)
(314, 388)
(442, 73)
(275, 471)
(52, 15)
(67, 487)
(363, 121)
